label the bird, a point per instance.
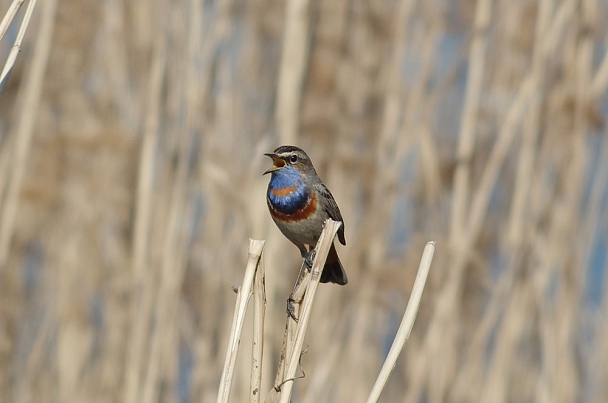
(299, 203)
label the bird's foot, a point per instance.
(290, 310)
(310, 256)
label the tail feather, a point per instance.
(333, 272)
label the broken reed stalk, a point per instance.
(288, 342)
(289, 338)
(403, 333)
(259, 314)
(292, 347)
(253, 284)
(243, 294)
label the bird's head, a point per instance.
(290, 157)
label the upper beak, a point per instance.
(277, 163)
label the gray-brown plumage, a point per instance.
(299, 204)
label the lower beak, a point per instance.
(277, 163)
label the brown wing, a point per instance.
(332, 209)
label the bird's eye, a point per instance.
(293, 158)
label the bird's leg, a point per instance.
(291, 299)
(308, 257)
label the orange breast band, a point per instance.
(286, 191)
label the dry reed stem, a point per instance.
(544, 47)
(289, 338)
(594, 209)
(478, 210)
(30, 103)
(292, 71)
(141, 307)
(164, 336)
(291, 331)
(259, 315)
(530, 133)
(171, 268)
(6, 21)
(468, 122)
(405, 328)
(393, 104)
(244, 292)
(293, 350)
(9, 16)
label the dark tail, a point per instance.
(333, 272)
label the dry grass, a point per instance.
(132, 136)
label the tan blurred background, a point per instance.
(132, 135)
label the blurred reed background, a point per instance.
(132, 135)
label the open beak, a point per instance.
(277, 163)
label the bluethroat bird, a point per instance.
(299, 204)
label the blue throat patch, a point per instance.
(293, 201)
